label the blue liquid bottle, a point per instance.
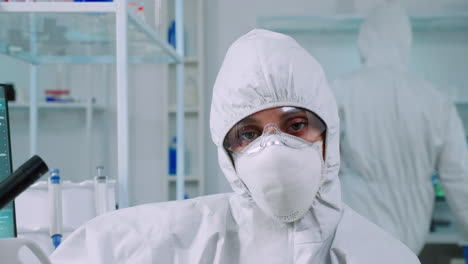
(173, 157)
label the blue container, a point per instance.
(465, 253)
(54, 176)
(173, 157)
(171, 34)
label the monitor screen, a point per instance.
(7, 214)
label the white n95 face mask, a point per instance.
(282, 180)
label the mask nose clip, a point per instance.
(271, 129)
(271, 136)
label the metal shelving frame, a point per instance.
(121, 60)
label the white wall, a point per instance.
(225, 21)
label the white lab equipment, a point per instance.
(14, 250)
(101, 192)
(78, 207)
(261, 70)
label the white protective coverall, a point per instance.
(261, 70)
(396, 131)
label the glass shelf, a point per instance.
(449, 234)
(76, 106)
(73, 33)
(172, 178)
(444, 235)
(190, 60)
(188, 110)
(342, 23)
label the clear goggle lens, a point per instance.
(290, 126)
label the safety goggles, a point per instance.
(290, 126)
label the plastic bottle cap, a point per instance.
(54, 171)
(100, 170)
(55, 179)
(56, 240)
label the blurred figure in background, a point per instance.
(396, 131)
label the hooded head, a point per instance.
(385, 37)
(262, 70)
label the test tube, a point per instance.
(100, 191)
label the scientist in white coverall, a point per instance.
(276, 126)
(396, 131)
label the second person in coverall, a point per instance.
(397, 130)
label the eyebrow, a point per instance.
(287, 115)
(316, 118)
(284, 116)
(248, 120)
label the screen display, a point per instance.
(7, 214)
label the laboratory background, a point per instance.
(117, 100)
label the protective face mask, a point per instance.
(282, 180)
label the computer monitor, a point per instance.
(7, 214)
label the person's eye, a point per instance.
(249, 135)
(297, 126)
